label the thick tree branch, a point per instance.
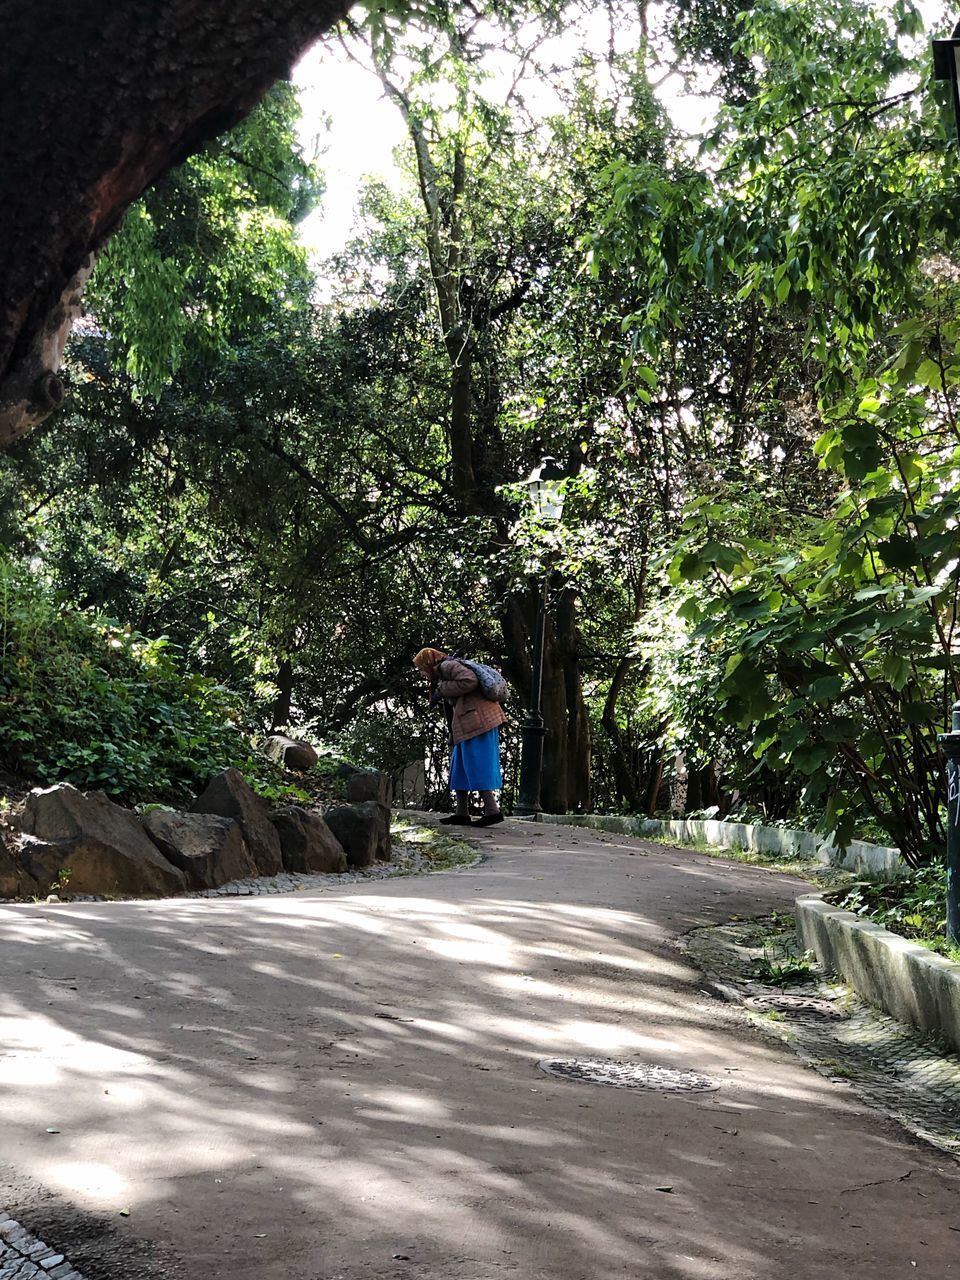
(96, 103)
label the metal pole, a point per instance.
(532, 731)
(950, 745)
(946, 66)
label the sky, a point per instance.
(345, 115)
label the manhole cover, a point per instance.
(803, 1006)
(627, 1075)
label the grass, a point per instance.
(914, 907)
(785, 970)
(808, 868)
(835, 1068)
(437, 851)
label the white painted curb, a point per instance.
(876, 859)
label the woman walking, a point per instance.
(475, 728)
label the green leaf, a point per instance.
(929, 375)
(825, 689)
(919, 713)
(896, 669)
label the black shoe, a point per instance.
(456, 820)
(489, 820)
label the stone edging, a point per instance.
(908, 981)
(24, 1257)
(859, 855)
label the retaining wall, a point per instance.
(875, 859)
(904, 979)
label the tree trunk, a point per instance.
(578, 753)
(566, 748)
(281, 704)
(98, 101)
(651, 802)
(461, 427)
(694, 799)
(620, 762)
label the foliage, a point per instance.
(209, 250)
(820, 195)
(86, 701)
(784, 970)
(914, 906)
(746, 358)
(828, 625)
(837, 647)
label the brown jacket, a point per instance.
(473, 714)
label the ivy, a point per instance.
(86, 701)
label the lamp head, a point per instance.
(544, 487)
(946, 66)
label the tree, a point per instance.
(95, 107)
(828, 209)
(492, 230)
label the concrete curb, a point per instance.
(859, 855)
(906, 980)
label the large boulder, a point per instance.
(307, 843)
(209, 850)
(290, 753)
(229, 796)
(369, 784)
(15, 882)
(98, 847)
(363, 830)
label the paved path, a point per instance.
(345, 1085)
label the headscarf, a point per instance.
(427, 660)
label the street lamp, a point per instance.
(544, 490)
(946, 66)
(950, 746)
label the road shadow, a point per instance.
(347, 1084)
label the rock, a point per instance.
(307, 842)
(100, 847)
(363, 830)
(210, 850)
(369, 784)
(291, 753)
(15, 882)
(229, 796)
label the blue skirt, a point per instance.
(475, 764)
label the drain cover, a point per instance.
(627, 1075)
(800, 1006)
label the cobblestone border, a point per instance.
(24, 1257)
(906, 1077)
(408, 860)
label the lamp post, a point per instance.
(544, 490)
(950, 746)
(946, 66)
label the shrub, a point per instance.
(85, 701)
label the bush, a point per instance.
(85, 701)
(915, 906)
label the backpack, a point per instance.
(492, 684)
